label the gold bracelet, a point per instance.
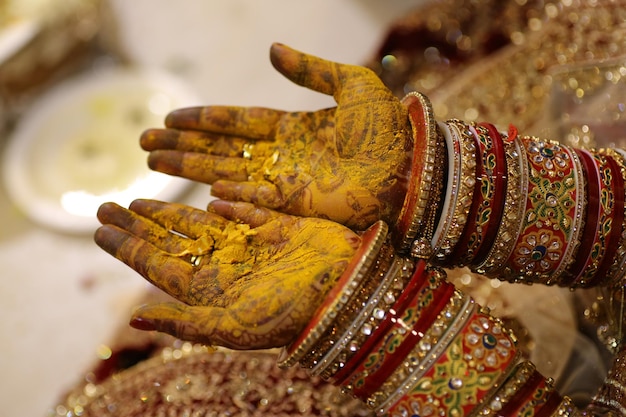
(465, 176)
(423, 168)
(391, 281)
(514, 207)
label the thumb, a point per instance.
(307, 70)
(211, 326)
(177, 319)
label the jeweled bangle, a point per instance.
(466, 169)
(390, 283)
(472, 236)
(421, 356)
(552, 217)
(338, 297)
(616, 271)
(507, 394)
(414, 326)
(599, 204)
(352, 309)
(489, 217)
(525, 392)
(476, 354)
(423, 167)
(453, 147)
(514, 206)
(416, 297)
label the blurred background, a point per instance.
(69, 103)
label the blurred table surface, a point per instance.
(60, 296)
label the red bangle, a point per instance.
(419, 285)
(413, 325)
(553, 213)
(349, 282)
(591, 250)
(617, 225)
(426, 161)
(496, 165)
(536, 394)
(480, 356)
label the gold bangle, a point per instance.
(514, 207)
(390, 279)
(465, 176)
(423, 167)
(453, 145)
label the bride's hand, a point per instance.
(247, 277)
(348, 163)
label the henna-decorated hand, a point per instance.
(248, 277)
(348, 164)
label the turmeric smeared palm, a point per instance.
(249, 277)
(348, 164)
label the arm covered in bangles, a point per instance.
(386, 328)
(455, 193)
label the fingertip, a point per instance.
(105, 210)
(280, 59)
(166, 161)
(142, 323)
(107, 238)
(146, 139)
(188, 117)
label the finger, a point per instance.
(248, 122)
(262, 193)
(140, 226)
(183, 219)
(307, 70)
(169, 273)
(197, 166)
(207, 325)
(192, 141)
(242, 212)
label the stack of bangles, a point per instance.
(395, 334)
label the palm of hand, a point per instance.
(348, 164)
(249, 278)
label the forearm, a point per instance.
(513, 207)
(397, 335)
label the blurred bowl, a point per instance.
(78, 147)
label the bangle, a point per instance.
(347, 285)
(618, 268)
(479, 212)
(463, 188)
(414, 298)
(327, 346)
(412, 326)
(553, 212)
(495, 163)
(373, 311)
(478, 355)
(514, 206)
(426, 162)
(453, 146)
(599, 204)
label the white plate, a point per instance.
(78, 147)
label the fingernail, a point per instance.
(141, 323)
(183, 118)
